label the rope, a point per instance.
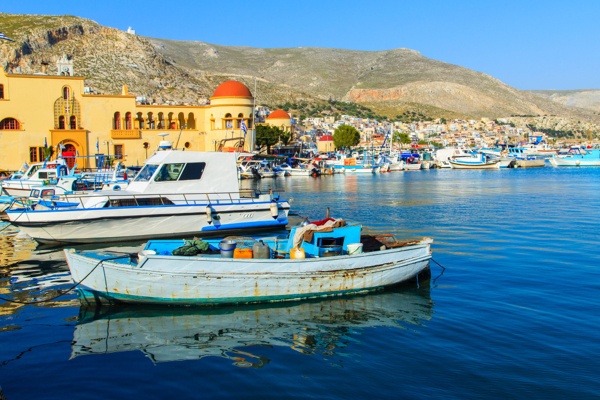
(9, 224)
(64, 292)
(444, 268)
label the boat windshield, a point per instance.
(34, 169)
(146, 173)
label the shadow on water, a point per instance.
(239, 333)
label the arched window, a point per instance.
(117, 121)
(191, 121)
(151, 123)
(1, 91)
(161, 124)
(61, 122)
(66, 93)
(73, 122)
(140, 121)
(9, 124)
(227, 121)
(170, 122)
(128, 121)
(238, 122)
(181, 119)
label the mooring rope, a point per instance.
(64, 292)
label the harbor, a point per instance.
(507, 242)
(205, 205)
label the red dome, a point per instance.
(326, 138)
(232, 88)
(279, 114)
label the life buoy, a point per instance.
(411, 159)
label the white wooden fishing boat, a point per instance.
(477, 161)
(177, 193)
(208, 279)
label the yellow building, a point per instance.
(35, 109)
(280, 119)
(325, 144)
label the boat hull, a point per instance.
(214, 281)
(573, 162)
(458, 165)
(413, 167)
(142, 223)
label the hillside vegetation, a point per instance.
(389, 83)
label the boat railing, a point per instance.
(152, 199)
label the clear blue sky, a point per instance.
(526, 44)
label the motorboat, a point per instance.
(332, 266)
(412, 161)
(476, 161)
(37, 174)
(442, 156)
(299, 170)
(576, 157)
(176, 193)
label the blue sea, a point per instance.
(515, 314)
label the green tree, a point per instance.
(48, 152)
(345, 136)
(402, 138)
(268, 136)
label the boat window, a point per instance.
(48, 193)
(35, 193)
(34, 169)
(43, 175)
(169, 172)
(192, 171)
(146, 173)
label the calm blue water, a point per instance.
(515, 314)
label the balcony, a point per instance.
(125, 134)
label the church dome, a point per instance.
(232, 89)
(279, 114)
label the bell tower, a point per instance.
(64, 66)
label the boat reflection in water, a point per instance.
(236, 333)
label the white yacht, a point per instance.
(36, 175)
(176, 194)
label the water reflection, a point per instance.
(238, 333)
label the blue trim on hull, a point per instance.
(279, 222)
(92, 296)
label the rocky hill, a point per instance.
(389, 82)
(585, 98)
(109, 58)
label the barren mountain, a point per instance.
(388, 81)
(584, 98)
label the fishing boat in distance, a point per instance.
(476, 161)
(177, 193)
(576, 157)
(320, 262)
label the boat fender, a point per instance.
(116, 188)
(274, 210)
(208, 215)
